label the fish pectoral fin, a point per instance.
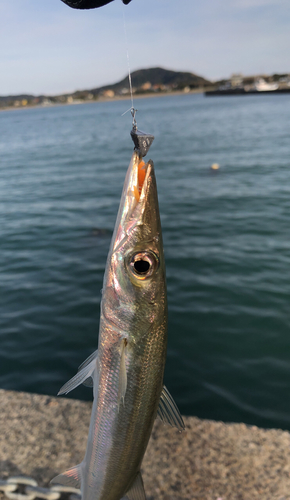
(137, 492)
(168, 411)
(71, 477)
(85, 372)
(123, 371)
(87, 361)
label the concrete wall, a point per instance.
(42, 436)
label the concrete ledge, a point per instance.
(42, 436)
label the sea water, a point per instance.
(226, 238)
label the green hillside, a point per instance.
(158, 77)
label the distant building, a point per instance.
(108, 93)
(46, 102)
(237, 80)
(146, 86)
(161, 87)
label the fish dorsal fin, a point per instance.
(168, 411)
(122, 372)
(85, 372)
(71, 477)
(137, 492)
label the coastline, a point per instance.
(42, 436)
(104, 99)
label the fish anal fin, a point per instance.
(71, 477)
(137, 492)
(122, 372)
(168, 411)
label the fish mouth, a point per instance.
(142, 168)
(134, 198)
(135, 187)
(136, 181)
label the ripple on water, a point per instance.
(225, 236)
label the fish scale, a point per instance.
(128, 368)
(130, 434)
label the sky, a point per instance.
(48, 48)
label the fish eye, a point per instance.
(143, 264)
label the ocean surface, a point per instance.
(226, 237)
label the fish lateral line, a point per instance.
(122, 372)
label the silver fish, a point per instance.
(127, 369)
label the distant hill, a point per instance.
(9, 98)
(157, 77)
(143, 81)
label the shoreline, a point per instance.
(42, 436)
(103, 99)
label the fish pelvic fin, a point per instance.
(71, 477)
(168, 411)
(136, 492)
(123, 372)
(83, 376)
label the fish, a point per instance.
(127, 370)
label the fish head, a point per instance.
(134, 283)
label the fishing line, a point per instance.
(132, 109)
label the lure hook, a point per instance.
(133, 113)
(141, 140)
